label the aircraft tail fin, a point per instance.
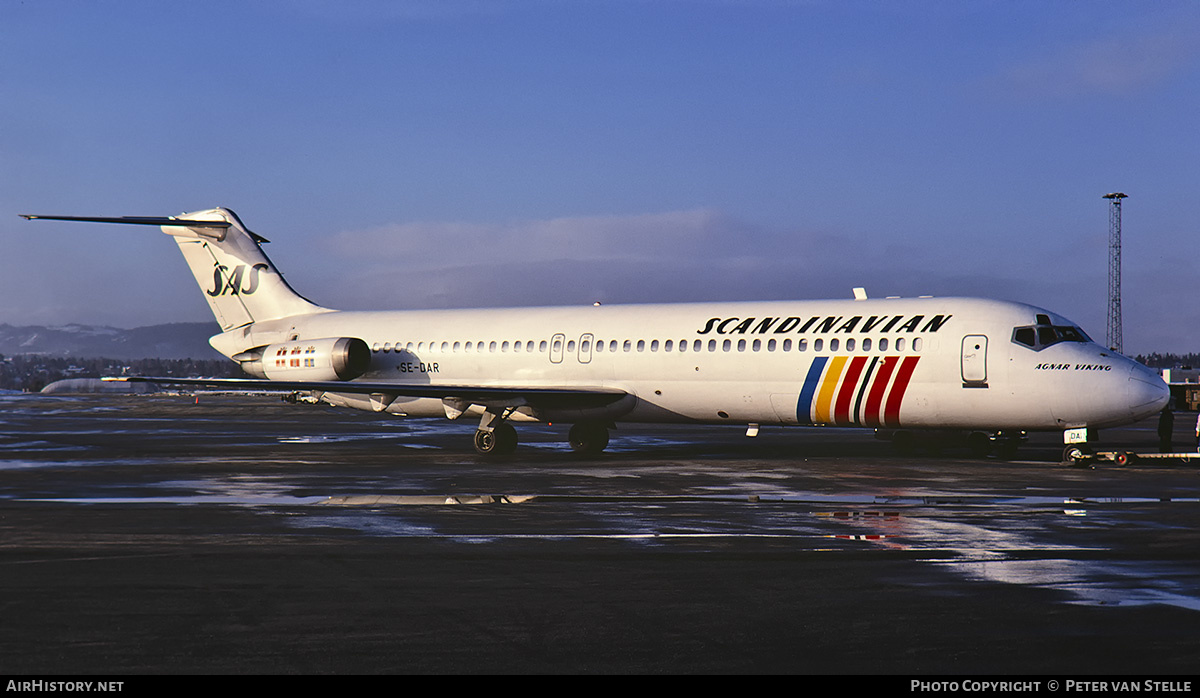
(238, 280)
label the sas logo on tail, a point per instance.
(231, 284)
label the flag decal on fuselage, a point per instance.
(865, 391)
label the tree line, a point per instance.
(1157, 360)
(32, 372)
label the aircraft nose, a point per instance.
(1147, 392)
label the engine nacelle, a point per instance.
(328, 359)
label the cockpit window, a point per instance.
(1072, 334)
(1043, 334)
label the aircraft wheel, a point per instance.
(1076, 455)
(588, 438)
(500, 441)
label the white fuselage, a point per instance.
(934, 363)
(912, 363)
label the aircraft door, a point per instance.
(974, 361)
(556, 348)
(585, 348)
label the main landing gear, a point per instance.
(496, 437)
(500, 441)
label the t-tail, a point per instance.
(241, 284)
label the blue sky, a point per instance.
(537, 152)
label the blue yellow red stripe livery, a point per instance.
(862, 391)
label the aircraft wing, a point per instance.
(547, 397)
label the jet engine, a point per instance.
(328, 359)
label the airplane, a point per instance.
(992, 369)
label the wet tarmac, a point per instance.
(244, 535)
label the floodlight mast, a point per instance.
(1113, 337)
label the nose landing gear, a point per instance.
(1076, 454)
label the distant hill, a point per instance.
(180, 340)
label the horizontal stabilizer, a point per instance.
(144, 220)
(133, 220)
